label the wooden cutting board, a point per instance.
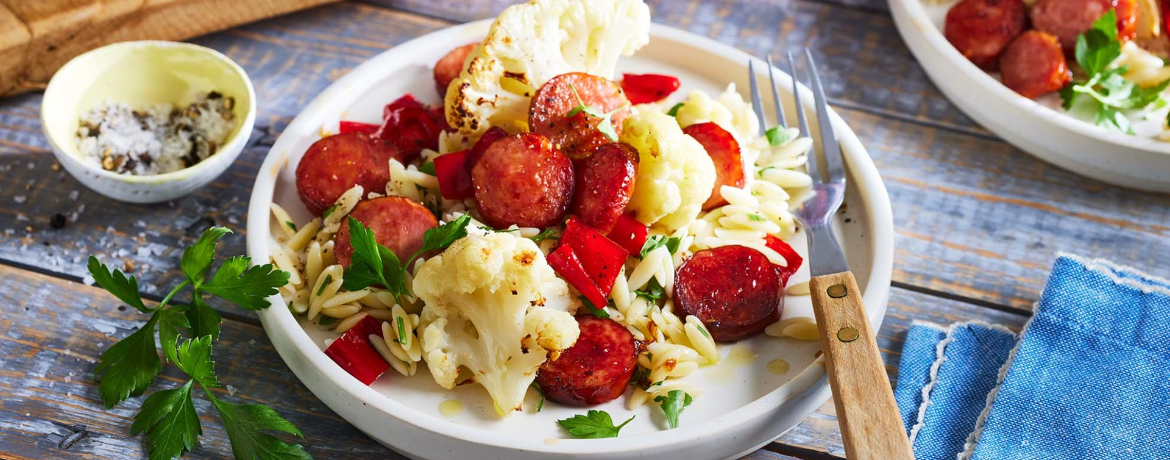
(39, 36)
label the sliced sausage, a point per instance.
(594, 370)
(488, 138)
(398, 223)
(335, 164)
(1068, 18)
(981, 29)
(1033, 65)
(448, 68)
(734, 290)
(724, 152)
(605, 183)
(577, 136)
(522, 180)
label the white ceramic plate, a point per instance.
(1038, 127)
(744, 406)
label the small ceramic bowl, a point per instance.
(143, 73)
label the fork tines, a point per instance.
(829, 146)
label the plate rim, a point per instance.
(923, 28)
(811, 382)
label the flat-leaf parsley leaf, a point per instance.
(594, 424)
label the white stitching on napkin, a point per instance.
(940, 357)
(1110, 270)
(973, 438)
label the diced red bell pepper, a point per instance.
(603, 259)
(629, 233)
(789, 254)
(565, 262)
(410, 126)
(405, 102)
(357, 127)
(641, 89)
(354, 353)
(489, 137)
(454, 176)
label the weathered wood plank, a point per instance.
(53, 331)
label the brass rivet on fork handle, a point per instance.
(837, 291)
(847, 334)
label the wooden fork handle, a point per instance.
(870, 425)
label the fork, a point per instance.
(871, 428)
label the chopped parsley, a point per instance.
(652, 292)
(605, 126)
(673, 404)
(1107, 87)
(594, 424)
(657, 241)
(777, 135)
(674, 110)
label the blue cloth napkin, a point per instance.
(1089, 377)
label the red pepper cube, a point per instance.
(603, 259)
(354, 352)
(629, 234)
(410, 126)
(454, 176)
(356, 127)
(645, 88)
(789, 254)
(565, 262)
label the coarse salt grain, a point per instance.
(158, 139)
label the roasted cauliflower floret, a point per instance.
(675, 175)
(494, 307)
(529, 44)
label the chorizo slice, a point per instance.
(488, 138)
(335, 164)
(594, 370)
(1068, 18)
(981, 29)
(398, 223)
(522, 180)
(576, 135)
(448, 68)
(724, 151)
(605, 183)
(1034, 65)
(734, 290)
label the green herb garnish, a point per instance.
(674, 110)
(657, 241)
(1095, 50)
(129, 366)
(594, 424)
(550, 233)
(652, 292)
(427, 168)
(605, 126)
(673, 404)
(328, 211)
(373, 263)
(539, 391)
(598, 312)
(777, 135)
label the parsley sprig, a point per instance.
(377, 264)
(1110, 91)
(657, 241)
(594, 424)
(673, 404)
(605, 126)
(128, 367)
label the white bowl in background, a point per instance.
(143, 73)
(1037, 127)
(743, 408)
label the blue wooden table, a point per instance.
(977, 221)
